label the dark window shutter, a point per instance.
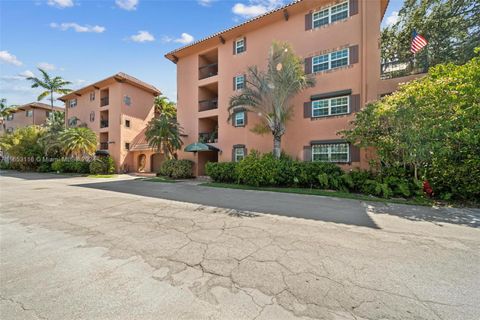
(354, 153)
(244, 80)
(308, 65)
(244, 152)
(245, 117)
(233, 118)
(234, 46)
(353, 7)
(244, 43)
(308, 21)
(354, 103)
(354, 54)
(307, 109)
(307, 153)
(234, 83)
(233, 154)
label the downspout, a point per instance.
(364, 53)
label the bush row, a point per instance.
(265, 170)
(177, 169)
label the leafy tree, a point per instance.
(78, 142)
(163, 133)
(431, 126)
(452, 28)
(5, 110)
(24, 144)
(51, 139)
(163, 106)
(268, 93)
(51, 85)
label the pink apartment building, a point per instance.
(34, 113)
(117, 109)
(340, 42)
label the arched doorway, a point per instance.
(142, 159)
(156, 161)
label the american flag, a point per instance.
(418, 42)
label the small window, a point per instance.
(73, 103)
(239, 82)
(29, 113)
(48, 114)
(127, 123)
(333, 152)
(240, 119)
(127, 145)
(239, 46)
(10, 117)
(239, 154)
(127, 100)
(92, 96)
(330, 61)
(320, 18)
(9, 130)
(330, 107)
(330, 15)
(92, 116)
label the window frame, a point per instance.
(10, 116)
(236, 119)
(242, 82)
(92, 96)
(127, 145)
(329, 14)
(237, 47)
(127, 98)
(29, 113)
(129, 123)
(72, 103)
(329, 60)
(236, 154)
(330, 152)
(329, 107)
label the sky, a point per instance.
(85, 41)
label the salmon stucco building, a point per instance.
(340, 44)
(34, 113)
(118, 110)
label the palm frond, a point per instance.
(43, 95)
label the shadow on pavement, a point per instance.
(351, 212)
(462, 216)
(34, 175)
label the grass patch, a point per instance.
(102, 176)
(319, 192)
(160, 179)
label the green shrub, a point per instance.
(258, 170)
(57, 166)
(70, 166)
(44, 167)
(102, 165)
(177, 169)
(5, 165)
(222, 171)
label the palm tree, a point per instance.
(78, 142)
(163, 133)
(5, 110)
(164, 106)
(51, 139)
(268, 93)
(51, 85)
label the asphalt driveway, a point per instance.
(82, 248)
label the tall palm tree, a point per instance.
(164, 106)
(268, 93)
(51, 139)
(163, 133)
(5, 110)
(51, 85)
(78, 142)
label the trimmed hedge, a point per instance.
(102, 165)
(67, 166)
(177, 169)
(264, 170)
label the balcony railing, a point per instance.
(103, 145)
(103, 123)
(211, 104)
(103, 101)
(396, 69)
(207, 71)
(208, 137)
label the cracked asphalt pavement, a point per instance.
(73, 252)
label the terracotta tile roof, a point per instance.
(140, 142)
(40, 105)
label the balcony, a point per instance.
(208, 71)
(208, 137)
(208, 64)
(103, 123)
(210, 104)
(397, 69)
(103, 101)
(103, 145)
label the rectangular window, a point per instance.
(239, 82)
(240, 119)
(333, 152)
(330, 15)
(127, 100)
(330, 106)
(73, 103)
(331, 60)
(239, 46)
(92, 96)
(10, 117)
(29, 113)
(127, 123)
(9, 130)
(127, 145)
(48, 114)
(239, 154)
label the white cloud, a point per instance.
(78, 28)
(185, 38)
(7, 57)
(26, 74)
(60, 3)
(392, 18)
(255, 7)
(46, 66)
(127, 4)
(142, 36)
(205, 3)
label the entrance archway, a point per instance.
(156, 161)
(142, 160)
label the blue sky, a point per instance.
(85, 40)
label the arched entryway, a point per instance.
(142, 160)
(156, 161)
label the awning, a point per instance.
(199, 147)
(102, 153)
